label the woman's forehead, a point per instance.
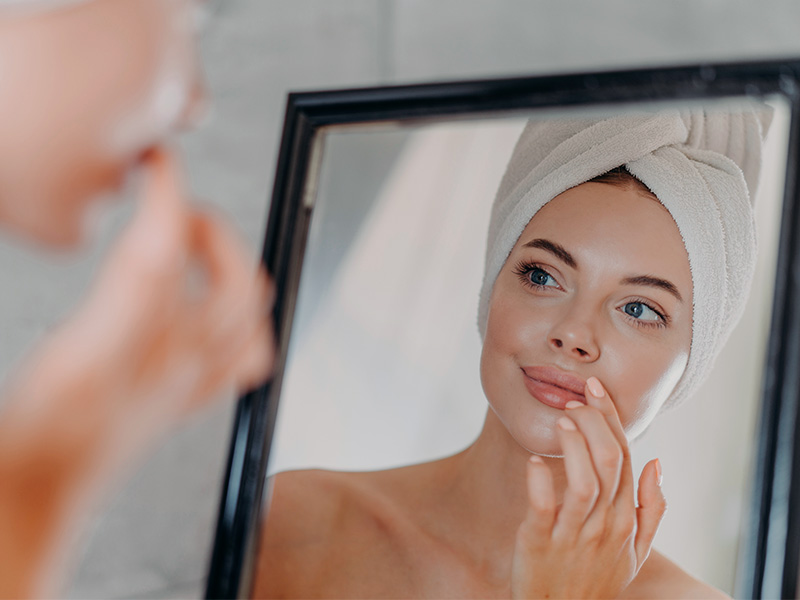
(615, 226)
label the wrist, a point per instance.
(55, 413)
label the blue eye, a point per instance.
(534, 276)
(640, 310)
(540, 277)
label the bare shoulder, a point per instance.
(662, 578)
(304, 509)
(321, 527)
(301, 516)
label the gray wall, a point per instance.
(153, 538)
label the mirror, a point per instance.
(381, 352)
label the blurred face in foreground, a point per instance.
(86, 87)
(598, 284)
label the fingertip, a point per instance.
(650, 492)
(653, 470)
(257, 365)
(540, 486)
(567, 424)
(597, 397)
(536, 468)
(159, 156)
(164, 181)
(595, 387)
(160, 226)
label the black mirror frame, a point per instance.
(770, 555)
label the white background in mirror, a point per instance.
(383, 368)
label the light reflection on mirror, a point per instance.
(383, 367)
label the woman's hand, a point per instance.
(593, 545)
(176, 318)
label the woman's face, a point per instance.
(85, 90)
(598, 284)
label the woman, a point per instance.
(608, 290)
(92, 91)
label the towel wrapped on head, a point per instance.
(703, 166)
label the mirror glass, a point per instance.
(383, 363)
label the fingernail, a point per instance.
(595, 387)
(537, 460)
(658, 472)
(574, 404)
(567, 424)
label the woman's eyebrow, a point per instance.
(562, 253)
(557, 249)
(657, 282)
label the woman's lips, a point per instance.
(553, 387)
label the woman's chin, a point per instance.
(541, 443)
(548, 454)
(49, 234)
(544, 450)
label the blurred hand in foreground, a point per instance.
(175, 319)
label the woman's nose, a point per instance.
(575, 337)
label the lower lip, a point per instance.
(551, 395)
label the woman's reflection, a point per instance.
(619, 258)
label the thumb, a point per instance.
(651, 509)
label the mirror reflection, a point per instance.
(425, 370)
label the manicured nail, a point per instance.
(595, 387)
(658, 472)
(574, 404)
(537, 460)
(567, 424)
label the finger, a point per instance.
(138, 282)
(243, 368)
(232, 334)
(158, 232)
(227, 261)
(257, 364)
(241, 352)
(255, 359)
(603, 447)
(652, 506)
(597, 397)
(582, 483)
(231, 296)
(536, 529)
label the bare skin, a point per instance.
(177, 316)
(367, 540)
(544, 503)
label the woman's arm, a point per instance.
(175, 318)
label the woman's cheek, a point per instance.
(641, 378)
(516, 335)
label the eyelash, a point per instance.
(523, 268)
(664, 319)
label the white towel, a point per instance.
(702, 164)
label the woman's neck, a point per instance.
(484, 490)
